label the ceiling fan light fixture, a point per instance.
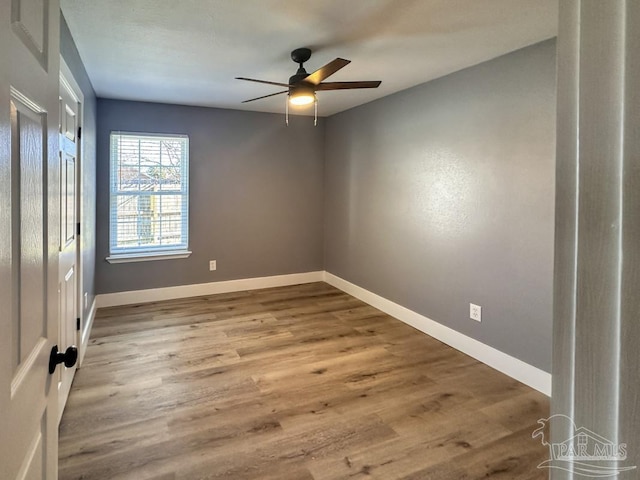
(301, 88)
(302, 95)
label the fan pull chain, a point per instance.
(315, 117)
(286, 117)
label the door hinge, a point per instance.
(78, 323)
(78, 228)
(79, 133)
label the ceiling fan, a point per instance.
(302, 86)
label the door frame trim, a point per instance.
(68, 80)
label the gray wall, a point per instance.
(443, 194)
(255, 189)
(88, 162)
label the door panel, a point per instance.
(68, 194)
(30, 23)
(32, 467)
(28, 162)
(29, 237)
(28, 286)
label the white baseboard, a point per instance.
(185, 291)
(511, 366)
(86, 331)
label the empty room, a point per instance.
(319, 240)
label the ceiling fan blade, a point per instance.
(266, 96)
(347, 85)
(329, 69)
(263, 81)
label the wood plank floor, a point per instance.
(292, 383)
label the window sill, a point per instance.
(147, 257)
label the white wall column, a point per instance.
(597, 263)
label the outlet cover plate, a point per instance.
(212, 265)
(475, 312)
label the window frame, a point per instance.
(154, 252)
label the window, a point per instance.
(149, 197)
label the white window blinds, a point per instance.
(149, 209)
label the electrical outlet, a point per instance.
(475, 312)
(212, 265)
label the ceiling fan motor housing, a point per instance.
(298, 77)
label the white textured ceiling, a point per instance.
(189, 51)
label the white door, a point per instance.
(68, 272)
(29, 243)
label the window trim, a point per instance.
(148, 257)
(149, 253)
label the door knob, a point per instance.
(69, 357)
